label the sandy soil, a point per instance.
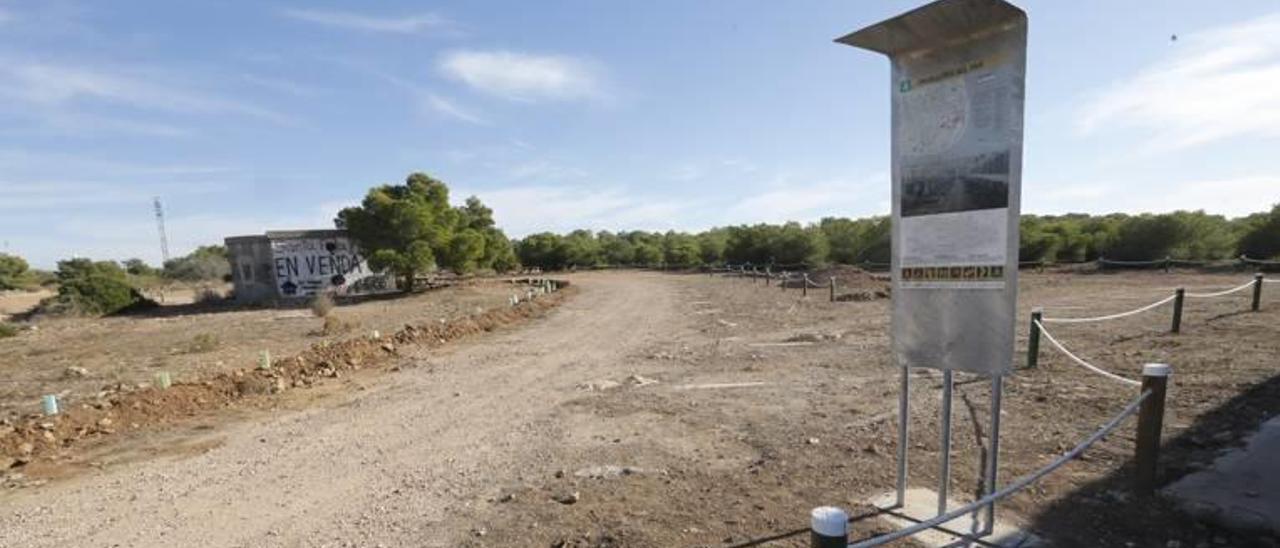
(556, 433)
(17, 302)
(131, 349)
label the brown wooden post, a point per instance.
(833, 289)
(1155, 378)
(1177, 309)
(1033, 338)
(1257, 291)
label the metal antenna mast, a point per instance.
(164, 239)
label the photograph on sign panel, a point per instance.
(967, 184)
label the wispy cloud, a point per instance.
(1215, 84)
(58, 89)
(409, 24)
(789, 200)
(451, 109)
(1230, 196)
(429, 102)
(66, 196)
(281, 85)
(529, 209)
(524, 77)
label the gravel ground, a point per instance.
(672, 410)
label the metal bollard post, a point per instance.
(1155, 378)
(1033, 338)
(828, 527)
(1177, 309)
(804, 288)
(1257, 291)
(1168, 261)
(833, 289)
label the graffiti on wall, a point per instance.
(307, 266)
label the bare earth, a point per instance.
(765, 404)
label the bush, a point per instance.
(209, 295)
(321, 305)
(95, 288)
(13, 272)
(7, 330)
(205, 263)
(203, 342)
(1261, 239)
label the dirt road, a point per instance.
(400, 464)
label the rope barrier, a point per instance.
(1221, 293)
(1086, 364)
(1132, 263)
(1258, 261)
(1112, 316)
(1014, 487)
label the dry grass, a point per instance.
(321, 305)
(203, 342)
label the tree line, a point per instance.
(1183, 235)
(412, 228)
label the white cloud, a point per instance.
(1231, 196)
(281, 85)
(1215, 84)
(522, 76)
(57, 88)
(525, 210)
(545, 170)
(453, 110)
(805, 202)
(356, 21)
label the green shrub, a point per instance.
(95, 288)
(13, 272)
(7, 330)
(1261, 239)
(205, 263)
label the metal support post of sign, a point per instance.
(993, 450)
(944, 472)
(904, 419)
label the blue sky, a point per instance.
(245, 116)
